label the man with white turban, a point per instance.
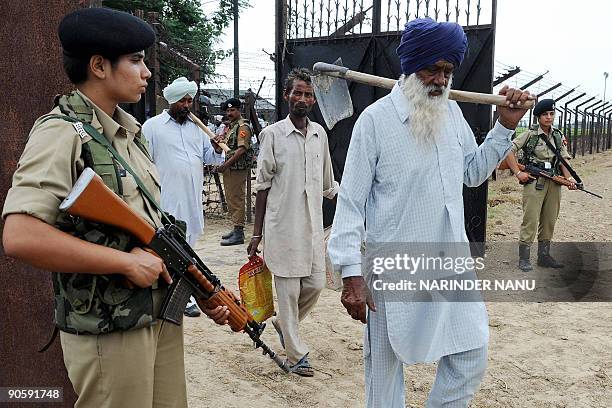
(179, 148)
(402, 184)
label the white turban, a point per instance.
(178, 89)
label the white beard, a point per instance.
(427, 113)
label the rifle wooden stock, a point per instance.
(92, 200)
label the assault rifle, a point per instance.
(535, 171)
(92, 200)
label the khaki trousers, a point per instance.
(234, 182)
(296, 298)
(540, 211)
(140, 368)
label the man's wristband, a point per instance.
(517, 174)
(256, 236)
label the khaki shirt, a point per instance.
(298, 172)
(51, 162)
(541, 152)
(243, 134)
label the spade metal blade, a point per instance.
(333, 97)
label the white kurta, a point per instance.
(410, 192)
(179, 152)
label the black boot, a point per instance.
(524, 263)
(544, 258)
(236, 238)
(229, 234)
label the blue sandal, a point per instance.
(302, 367)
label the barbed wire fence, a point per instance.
(260, 73)
(586, 120)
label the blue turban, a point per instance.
(425, 42)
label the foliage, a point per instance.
(186, 29)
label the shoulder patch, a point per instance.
(78, 126)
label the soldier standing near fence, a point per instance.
(236, 168)
(541, 197)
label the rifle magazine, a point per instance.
(175, 301)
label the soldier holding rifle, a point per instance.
(107, 290)
(541, 146)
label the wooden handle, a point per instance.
(459, 96)
(208, 132)
(363, 78)
(489, 99)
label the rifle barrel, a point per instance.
(590, 192)
(556, 179)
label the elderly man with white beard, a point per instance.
(402, 183)
(179, 149)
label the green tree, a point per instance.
(186, 29)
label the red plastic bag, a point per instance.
(255, 283)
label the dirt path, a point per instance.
(540, 354)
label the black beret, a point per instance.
(102, 31)
(544, 105)
(231, 103)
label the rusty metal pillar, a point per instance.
(32, 74)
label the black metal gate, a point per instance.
(365, 35)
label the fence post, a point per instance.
(568, 130)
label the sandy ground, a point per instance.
(540, 354)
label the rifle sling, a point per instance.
(561, 159)
(50, 341)
(104, 142)
(100, 138)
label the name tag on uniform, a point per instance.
(122, 173)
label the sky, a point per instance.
(570, 39)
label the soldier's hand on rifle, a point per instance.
(355, 297)
(524, 177)
(572, 186)
(219, 314)
(509, 116)
(145, 268)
